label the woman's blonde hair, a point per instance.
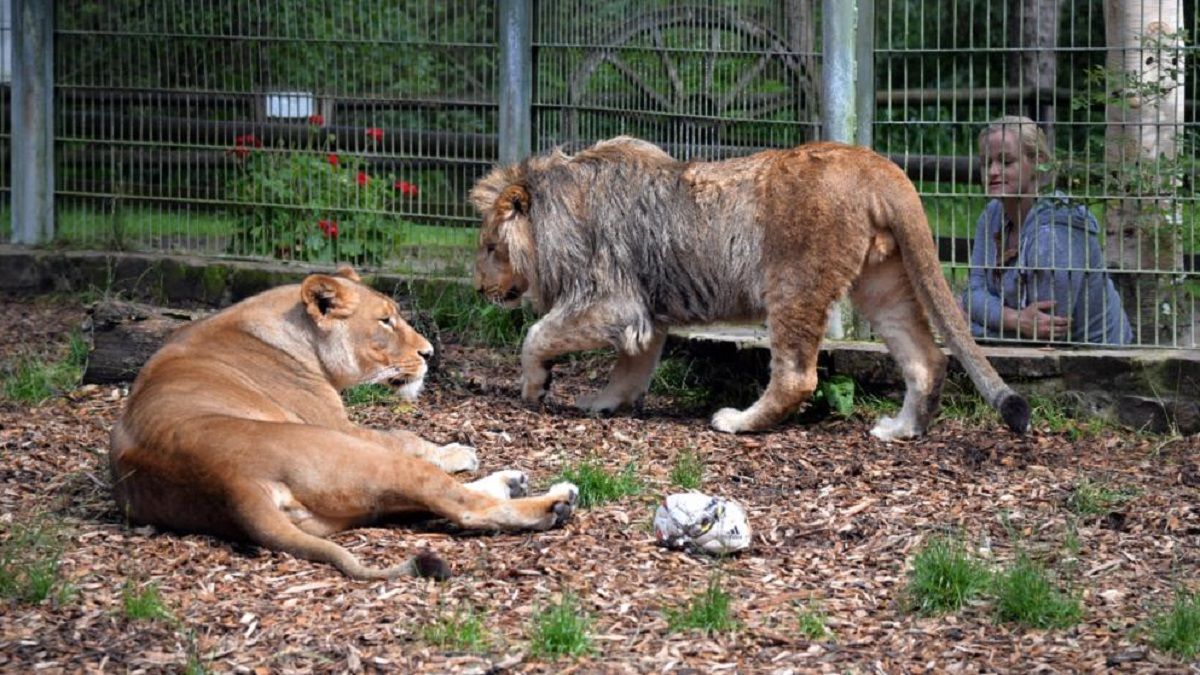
(1031, 138)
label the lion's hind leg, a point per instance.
(885, 295)
(630, 379)
(796, 330)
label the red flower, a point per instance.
(329, 227)
(363, 178)
(332, 158)
(316, 120)
(242, 145)
(375, 133)
(406, 188)
(247, 140)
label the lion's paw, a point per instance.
(565, 496)
(455, 457)
(893, 429)
(728, 420)
(507, 484)
(600, 403)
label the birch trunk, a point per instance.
(1144, 113)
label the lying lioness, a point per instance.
(235, 428)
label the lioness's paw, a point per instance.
(565, 495)
(600, 403)
(455, 457)
(507, 484)
(728, 420)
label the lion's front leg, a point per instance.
(555, 334)
(630, 379)
(451, 458)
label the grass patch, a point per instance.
(462, 631)
(458, 309)
(1025, 595)
(688, 471)
(944, 578)
(368, 394)
(1177, 630)
(707, 611)
(144, 604)
(811, 622)
(1053, 414)
(29, 562)
(1097, 498)
(598, 485)
(34, 381)
(563, 629)
(678, 378)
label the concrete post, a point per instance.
(32, 157)
(516, 80)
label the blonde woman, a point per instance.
(1037, 270)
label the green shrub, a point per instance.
(1096, 498)
(707, 611)
(562, 629)
(944, 578)
(29, 562)
(1177, 631)
(1024, 594)
(687, 471)
(598, 485)
(33, 381)
(144, 603)
(460, 631)
(314, 204)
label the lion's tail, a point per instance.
(269, 527)
(911, 230)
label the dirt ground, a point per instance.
(836, 515)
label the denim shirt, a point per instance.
(1058, 258)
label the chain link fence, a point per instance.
(307, 130)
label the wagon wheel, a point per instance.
(693, 74)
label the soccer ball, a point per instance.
(698, 522)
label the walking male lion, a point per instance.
(620, 241)
(235, 428)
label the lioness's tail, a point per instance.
(268, 526)
(911, 230)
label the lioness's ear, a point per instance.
(347, 272)
(514, 200)
(326, 298)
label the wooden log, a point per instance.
(126, 334)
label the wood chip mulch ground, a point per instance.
(837, 518)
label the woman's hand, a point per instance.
(1036, 322)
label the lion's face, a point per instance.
(361, 337)
(505, 237)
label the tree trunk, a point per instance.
(1145, 98)
(1035, 34)
(125, 335)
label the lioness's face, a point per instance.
(362, 337)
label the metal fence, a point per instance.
(309, 130)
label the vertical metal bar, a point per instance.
(838, 19)
(864, 90)
(33, 122)
(516, 80)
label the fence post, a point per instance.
(32, 159)
(864, 90)
(516, 80)
(838, 30)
